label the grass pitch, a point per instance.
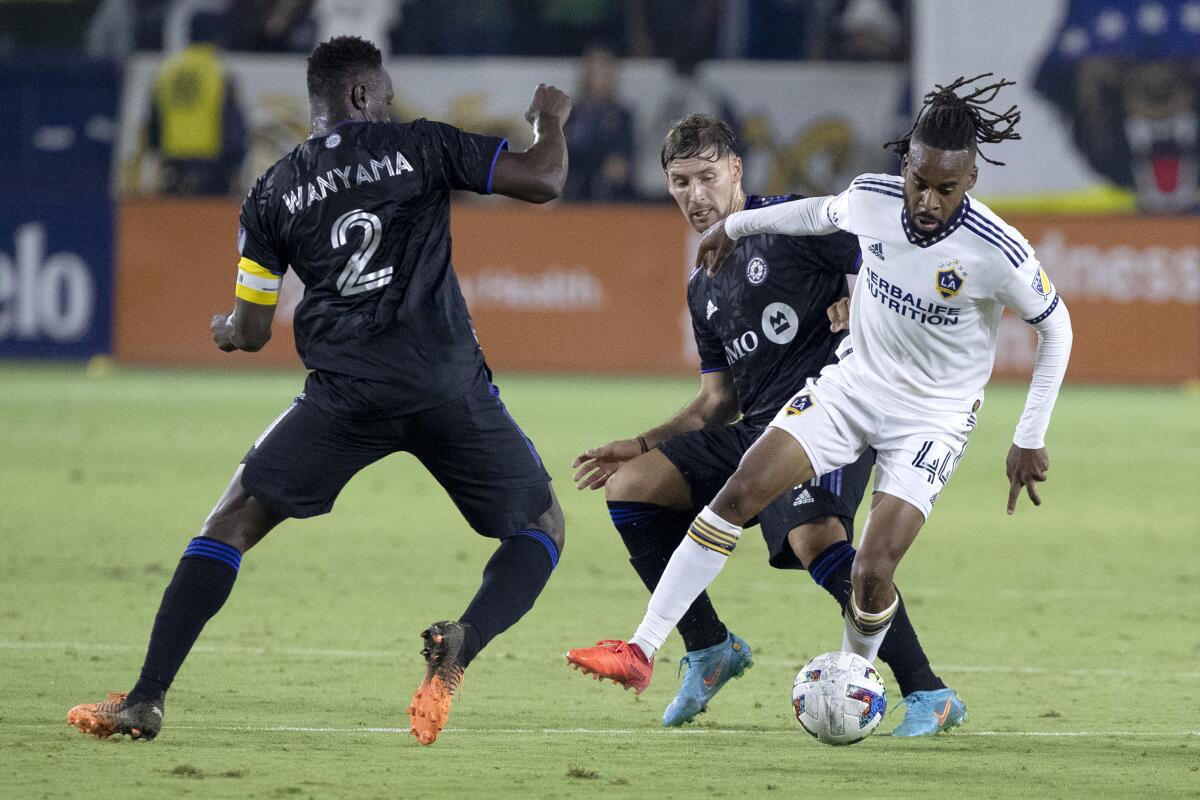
(1071, 631)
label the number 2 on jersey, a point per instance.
(353, 279)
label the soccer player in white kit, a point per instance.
(938, 270)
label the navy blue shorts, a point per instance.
(708, 457)
(470, 445)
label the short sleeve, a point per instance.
(1028, 291)
(461, 160)
(708, 343)
(255, 240)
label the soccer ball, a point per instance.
(839, 698)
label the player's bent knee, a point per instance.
(871, 573)
(239, 520)
(813, 538)
(553, 524)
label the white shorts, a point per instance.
(916, 453)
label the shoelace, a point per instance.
(686, 661)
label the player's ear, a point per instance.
(737, 168)
(974, 175)
(904, 165)
(358, 96)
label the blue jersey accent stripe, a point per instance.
(1046, 313)
(987, 223)
(1016, 262)
(496, 157)
(877, 191)
(545, 541)
(714, 369)
(1012, 249)
(204, 547)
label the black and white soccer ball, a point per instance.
(839, 698)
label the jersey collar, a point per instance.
(920, 240)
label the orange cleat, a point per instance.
(116, 715)
(623, 663)
(430, 707)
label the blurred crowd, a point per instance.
(682, 29)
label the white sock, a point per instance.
(864, 630)
(694, 565)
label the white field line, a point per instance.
(306, 729)
(315, 652)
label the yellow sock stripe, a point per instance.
(714, 532)
(711, 546)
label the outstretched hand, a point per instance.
(597, 465)
(715, 245)
(1026, 469)
(839, 315)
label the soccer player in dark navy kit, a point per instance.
(361, 213)
(762, 330)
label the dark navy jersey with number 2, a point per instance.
(763, 316)
(362, 216)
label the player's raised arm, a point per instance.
(809, 216)
(538, 174)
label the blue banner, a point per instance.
(56, 215)
(56, 279)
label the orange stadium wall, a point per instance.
(602, 289)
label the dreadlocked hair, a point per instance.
(335, 63)
(950, 122)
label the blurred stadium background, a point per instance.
(135, 128)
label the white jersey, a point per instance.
(926, 310)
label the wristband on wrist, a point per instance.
(641, 440)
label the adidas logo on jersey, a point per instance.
(804, 499)
(712, 309)
(877, 250)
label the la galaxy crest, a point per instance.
(950, 279)
(756, 271)
(799, 405)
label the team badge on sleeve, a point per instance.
(949, 279)
(1041, 282)
(799, 405)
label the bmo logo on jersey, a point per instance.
(780, 323)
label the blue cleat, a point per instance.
(930, 713)
(707, 671)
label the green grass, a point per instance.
(1079, 620)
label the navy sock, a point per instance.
(201, 585)
(901, 649)
(651, 533)
(512, 580)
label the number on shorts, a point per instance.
(353, 279)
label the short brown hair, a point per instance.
(695, 135)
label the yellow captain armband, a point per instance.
(257, 284)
